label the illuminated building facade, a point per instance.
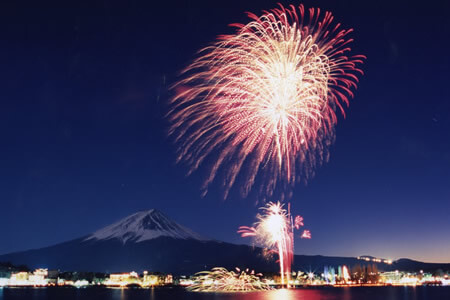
(123, 279)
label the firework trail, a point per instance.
(275, 230)
(222, 280)
(265, 98)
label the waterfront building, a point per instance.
(19, 278)
(123, 279)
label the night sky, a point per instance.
(84, 90)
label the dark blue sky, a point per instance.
(84, 87)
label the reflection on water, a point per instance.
(279, 294)
(348, 293)
(307, 294)
(166, 294)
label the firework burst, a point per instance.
(275, 231)
(222, 280)
(265, 97)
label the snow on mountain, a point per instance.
(143, 226)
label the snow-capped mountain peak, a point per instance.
(142, 226)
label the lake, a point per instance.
(329, 293)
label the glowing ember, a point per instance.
(222, 280)
(306, 234)
(275, 230)
(298, 222)
(265, 97)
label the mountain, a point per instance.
(406, 264)
(144, 226)
(149, 240)
(146, 240)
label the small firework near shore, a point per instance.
(274, 230)
(221, 280)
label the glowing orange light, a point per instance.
(222, 280)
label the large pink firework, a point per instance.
(265, 97)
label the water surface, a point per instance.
(329, 293)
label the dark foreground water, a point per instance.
(329, 293)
